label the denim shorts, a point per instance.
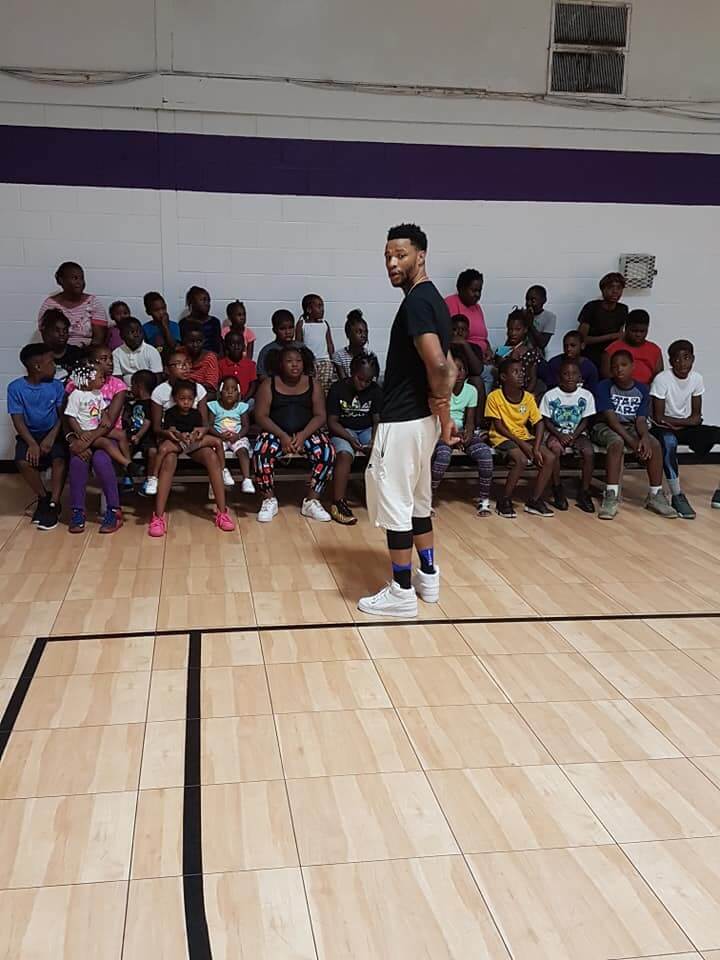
(342, 445)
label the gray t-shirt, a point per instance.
(545, 322)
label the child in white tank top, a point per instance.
(312, 329)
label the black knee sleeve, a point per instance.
(421, 525)
(399, 539)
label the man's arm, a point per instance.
(441, 373)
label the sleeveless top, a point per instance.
(315, 338)
(291, 412)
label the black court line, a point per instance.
(22, 686)
(196, 925)
(432, 621)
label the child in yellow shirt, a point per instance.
(510, 408)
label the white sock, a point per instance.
(674, 486)
(654, 491)
(613, 488)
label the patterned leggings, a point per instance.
(478, 451)
(318, 449)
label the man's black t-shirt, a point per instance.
(405, 388)
(601, 321)
(354, 410)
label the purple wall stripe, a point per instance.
(119, 158)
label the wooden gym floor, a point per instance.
(256, 771)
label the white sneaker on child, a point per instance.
(391, 601)
(314, 510)
(268, 510)
(427, 585)
(227, 478)
(247, 486)
(151, 486)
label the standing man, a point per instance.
(419, 378)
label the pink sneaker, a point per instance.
(223, 521)
(157, 526)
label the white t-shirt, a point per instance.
(566, 410)
(126, 362)
(677, 393)
(162, 395)
(545, 322)
(86, 406)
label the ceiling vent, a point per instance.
(589, 48)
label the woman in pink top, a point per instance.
(85, 313)
(466, 301)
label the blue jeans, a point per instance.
(343, 446)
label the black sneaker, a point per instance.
(715, 502)
(40, 506)
(505, 508)
(538, 508)
(584, 501)
(48, 519)
(559, 499)
(341, 513)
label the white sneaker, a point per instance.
(268, 510)
(314, 510)
(227, 478)
(391, 601)
(247, 486)
(151, 486)
(427, 585)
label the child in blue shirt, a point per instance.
(623, 405)
(231, 422)
(34, 403)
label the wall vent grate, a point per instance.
(591, 24)
(639, 270)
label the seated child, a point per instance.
(623, 405)
(479, 374)
(34, 403)
(177, 366)
(137, 421)
(544, 321)
(283, 326)
(647, 356)
(237, 322)
(353, 412)
(183, 430)
(134, 353)
(113, 390)
(549, 370)
(84, 411)
(463, 411)
(55, 330)
(314, 331)
(356, 331)
(236, 364)
(601, 321)
(517, 347)
(566, 411)
(231, 422)
(197, 300)
(676, 395)
(510, 409)
(118, 311)
(204, 367)
(160, 331)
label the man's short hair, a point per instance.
(411, 232)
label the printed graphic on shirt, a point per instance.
(137, 417)
(355, 409)
(566, 417)
(626, 405)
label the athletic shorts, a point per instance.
(58, 451)
(398, 481)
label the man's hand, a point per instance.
(537, 455)
(33, 454)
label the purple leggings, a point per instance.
(104, 471)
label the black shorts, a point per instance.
(147, 443)
(58, 451)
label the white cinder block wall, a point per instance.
(269, 251)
